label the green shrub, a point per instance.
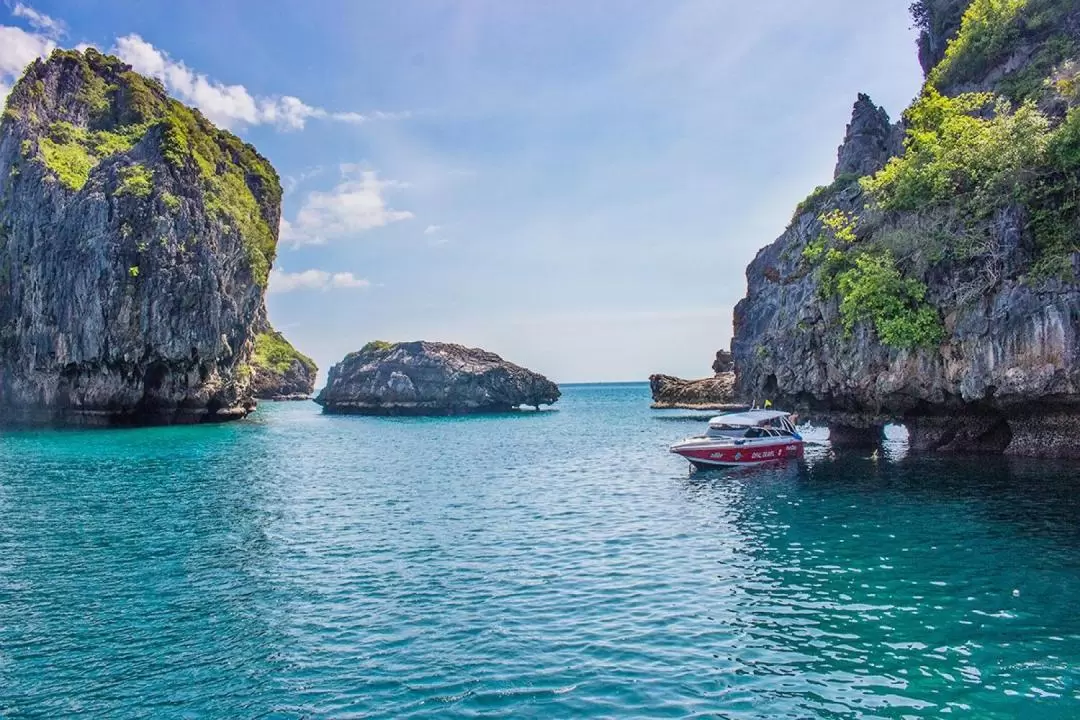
(987, 31)
(956, 154)
(71, 162)
(135, 180)
(377, 346)
(274, 352)
(171, 201)
(813, 201)
(870, 286)
(231, 171)
(873, 289)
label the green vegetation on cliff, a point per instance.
(973, 163)
(870, 285)
(993, 30)
(976, 155)
(231, 172)
(115, 110)
(274, 352)
(135, 180)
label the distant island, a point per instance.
(431, 378)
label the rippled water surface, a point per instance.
(558, 564)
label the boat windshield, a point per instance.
(726, 431)
(720, 430)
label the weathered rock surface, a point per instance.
(870, 141)
(429, 378)
(715, 393)
(278, 370)
(135, 241)
(1005, 376)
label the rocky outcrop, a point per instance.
(135, 243)
(428, 378)
(715, 393)
(870, 141)
(938, 22)
(991, 359)
(278, 370)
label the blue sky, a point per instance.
(577, 185)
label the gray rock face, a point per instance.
(130, 275)
(870, 141)
(295, 382)
(427, 378)
(724, 362)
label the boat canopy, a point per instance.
(752, 418)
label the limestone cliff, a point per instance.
(135, 243)
(940, 288)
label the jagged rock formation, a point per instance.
(135, 243)
(278, 370)
(715, 393)
(428, 378)
(870, 141)
(941, 293)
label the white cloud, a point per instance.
(283, 282)
(229, 105)
(432, 229)
(354, 205)
(41, 21)
(18, 48)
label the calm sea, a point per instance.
(556, 564)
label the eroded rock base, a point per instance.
(1054, 434)
(976, 433)
(849, 436)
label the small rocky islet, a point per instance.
(431, 378)
(713, 393)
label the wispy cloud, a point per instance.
(40, 21)
(19, 48)
(229, 105)
(283, 282)
(354, 205)
(432, 229)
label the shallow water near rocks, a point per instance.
(550, 564)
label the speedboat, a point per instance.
(744, 438)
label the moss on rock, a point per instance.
(274, 352)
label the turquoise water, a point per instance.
(558, 564)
